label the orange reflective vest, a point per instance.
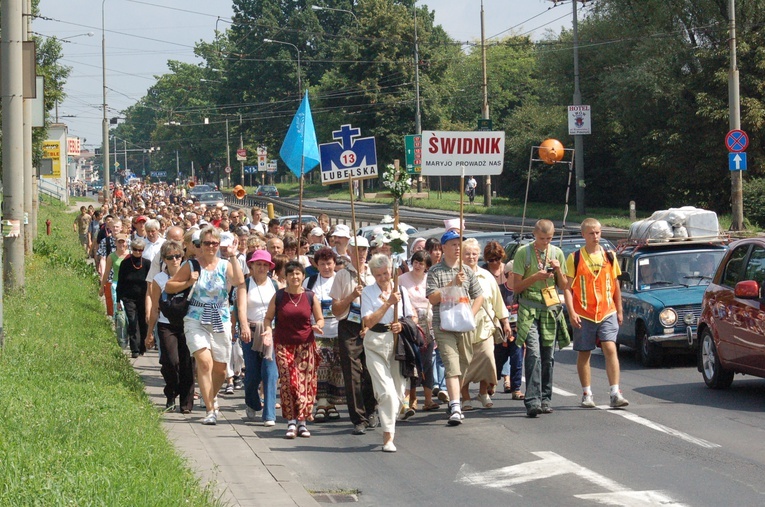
(594, 294)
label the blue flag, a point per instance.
(299, 147)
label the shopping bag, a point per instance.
(456, 313)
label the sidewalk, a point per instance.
(230, 457)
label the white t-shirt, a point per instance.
(371, 301)
(151, 250)
(321, 289)
(258, 298)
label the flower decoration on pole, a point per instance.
(397, 180)
(393, 234)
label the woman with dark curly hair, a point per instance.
(295, 343)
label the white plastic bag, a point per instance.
(456, 313)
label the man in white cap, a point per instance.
(316, 236)
(342, 236)
(346, 306)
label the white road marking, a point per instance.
(552, 465)
(660, 427)
(557, 390)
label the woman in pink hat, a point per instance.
(259, 358)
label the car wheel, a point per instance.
(649, 354)
(715, 376)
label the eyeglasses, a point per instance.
(211, 243)
(137, 249)
(494, 259)
(174, 257)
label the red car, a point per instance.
(731, 329)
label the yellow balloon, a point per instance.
(551, 151)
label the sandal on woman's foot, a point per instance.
(517, 395)
(332, 414)
(508, 387)
(321, 414)
(303, 432)
(467, 405)
(291, 431)
(431, 406)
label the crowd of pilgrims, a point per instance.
(310, 313)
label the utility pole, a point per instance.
(485, 107)
(105, 120)
(228, 157)
(417, 115)
(734, 112)
(241, 141)
(13, 143)
(29, 171)
(578, 140)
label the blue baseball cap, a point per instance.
(448, 236)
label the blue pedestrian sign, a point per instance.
(352, 156)
(736, 141)
(737, 161)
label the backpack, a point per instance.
(175, 306)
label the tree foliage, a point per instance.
(655, 73)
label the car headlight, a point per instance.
(689, 319)
(668, 317)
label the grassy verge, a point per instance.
(77, 427)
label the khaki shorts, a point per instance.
(455, 356)
(201, 336)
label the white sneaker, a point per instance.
(211, 419)
(389, 447)
(618, 401)
(269, 423)
(251, 414)
(587, 401)
(455, 418)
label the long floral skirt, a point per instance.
(298, 381)
(331, 386)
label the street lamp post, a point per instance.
(319, 8)
(105, 120)
(300, 84)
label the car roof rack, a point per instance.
(718, 239)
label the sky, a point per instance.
(142, 35)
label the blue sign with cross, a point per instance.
(736, 141)
(352, 156)
(737, 161)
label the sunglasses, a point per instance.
(494, 259)
(211, 243)
(137, 249)
(174, 257)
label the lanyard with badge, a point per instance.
(549, 294)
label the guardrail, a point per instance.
(422, 223)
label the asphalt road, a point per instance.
(678, 443)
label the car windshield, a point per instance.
(210, 196)
(685, 268)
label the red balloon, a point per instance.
(551, 151)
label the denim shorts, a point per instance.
(606, 330)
